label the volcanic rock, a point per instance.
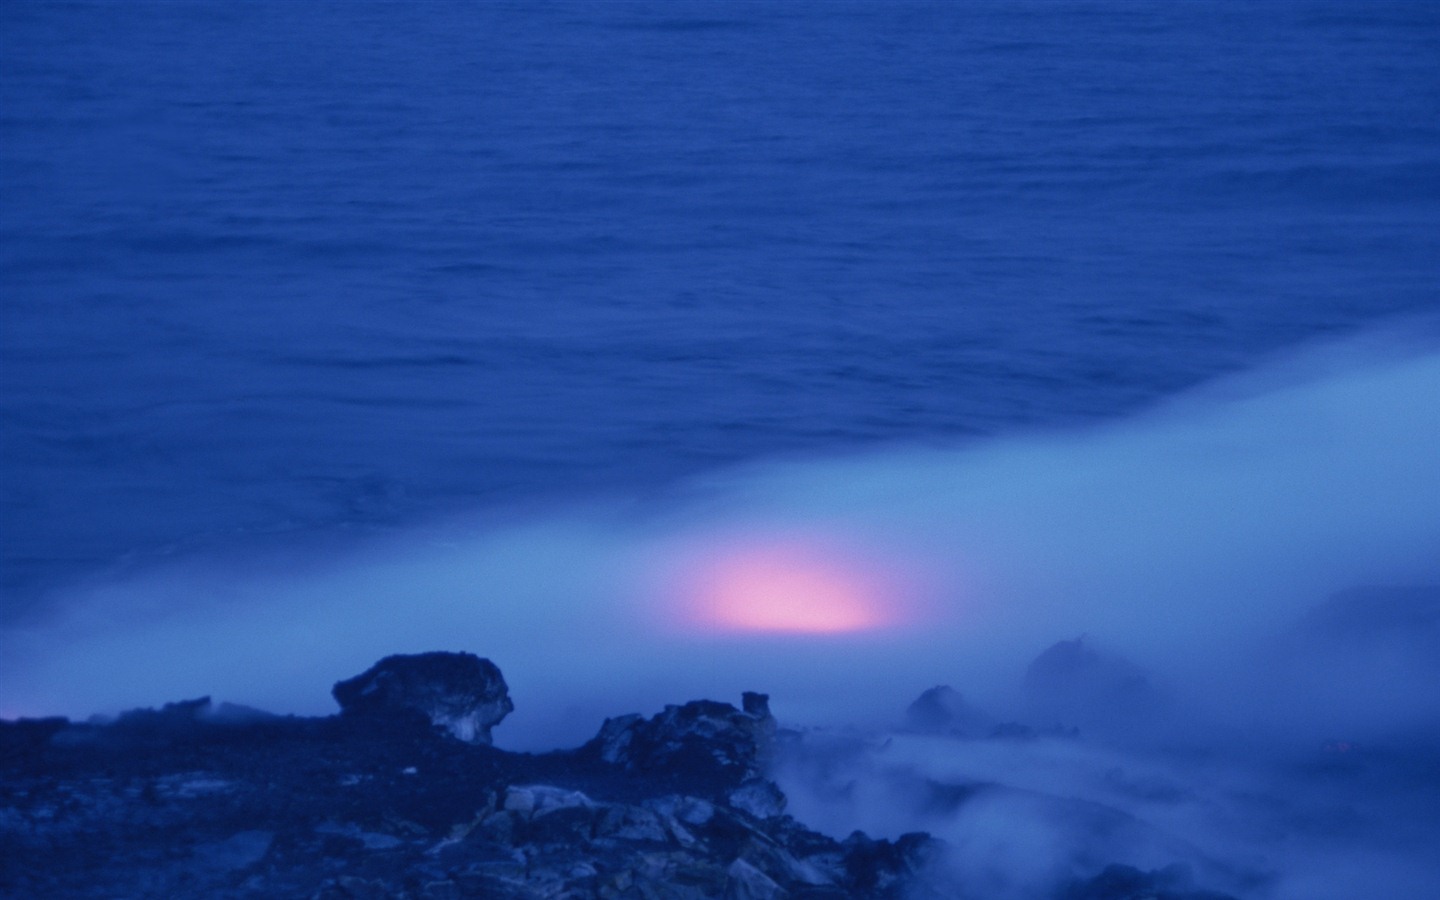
(184, 803)
(710, 746)
(460, 692)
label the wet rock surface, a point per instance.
(198, 800)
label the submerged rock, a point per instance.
(460, 692)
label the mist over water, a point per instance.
(1195, 546)
(315, 269)
(1081, 357)
(1182, 539)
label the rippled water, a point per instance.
(301, 268)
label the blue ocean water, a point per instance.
(274, 270)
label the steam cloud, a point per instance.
(1194, 545)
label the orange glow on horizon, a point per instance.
(787, 588)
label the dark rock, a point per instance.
(460, 692)
(184, 804)
(1120, 882)
(942, 710)
(745, 882)
(707, 745)
(23, 738)
(758, 797)
(757, 705)
(171, 721)
(881, 864)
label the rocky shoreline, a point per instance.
(401, 795)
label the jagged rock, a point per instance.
(704, 740)
(631, 823)
(770, 856)
(690, 810)
(942, 710)
(758, 797)
(757, 705)
(460, 692)
(501, 826)
(880, 864)
(745, 882)
(377, 802)
(548, 799)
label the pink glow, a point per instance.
(787, 587)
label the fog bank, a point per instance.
(1189, 541)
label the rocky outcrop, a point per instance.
(460, 692)
(704, 747)
(557, 842)
(196, 801)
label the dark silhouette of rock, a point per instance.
(1073, 683)
(709, 745)
(1119, 882)
(23, 738)
(942, 710)
(757, 705)
(184, 803)
(882, 864)
(460, 692)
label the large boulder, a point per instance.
(708, 745)
(460, 692)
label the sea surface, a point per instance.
(273, 272)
